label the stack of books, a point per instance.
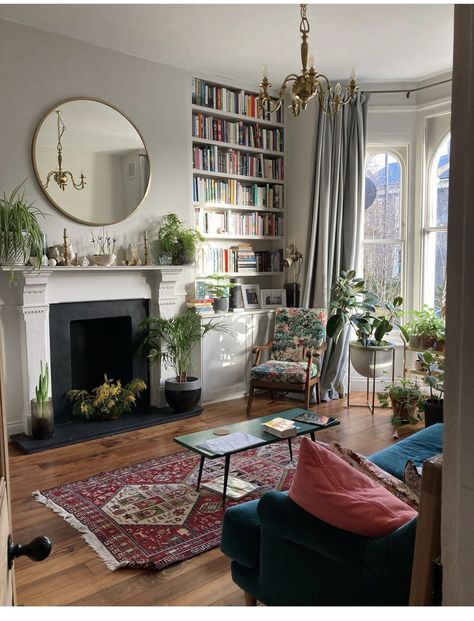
(201, 306)
(246, 260)
(280, 427)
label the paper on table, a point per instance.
(230, 442)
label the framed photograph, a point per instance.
(251, 296)
(271, 298)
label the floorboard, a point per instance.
(74, 575)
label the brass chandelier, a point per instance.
(60, 175)
(307, 84)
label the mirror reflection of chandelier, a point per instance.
(307, 84)
(60, 175)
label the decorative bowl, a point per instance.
(104, 260)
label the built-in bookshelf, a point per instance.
(238, 182)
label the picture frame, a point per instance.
(251, 296)
(273, 298)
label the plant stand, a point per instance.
(372, 405)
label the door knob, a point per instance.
(37, 550)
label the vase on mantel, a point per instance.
(42, 419)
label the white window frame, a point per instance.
(428, 228)
(400, 152)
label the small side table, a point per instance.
(370, 406)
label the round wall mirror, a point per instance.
(90, 161)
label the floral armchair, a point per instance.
(294, 364)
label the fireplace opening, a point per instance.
(101, 347)
(89, 341)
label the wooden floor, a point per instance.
(75, 575)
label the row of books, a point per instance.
(241, 259)
(218, 159)
(230, 100)
(236, 193)
(246, 223)
(238, 132)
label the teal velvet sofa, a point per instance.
(283, 556)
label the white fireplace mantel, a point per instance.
(36, 290)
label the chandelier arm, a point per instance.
(48, 178)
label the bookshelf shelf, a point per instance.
(224, 140)
(237, 147)
(220, 206)
(220, 175)
(235, 117)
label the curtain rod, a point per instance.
(411, 90)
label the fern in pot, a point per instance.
(177, 243)
(171, 342)
(20, 232)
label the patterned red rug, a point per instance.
(149, 515)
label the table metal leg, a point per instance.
(313, 437)
(226, 478)
(201, 466)
(290, 449)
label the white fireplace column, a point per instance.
(35, 345)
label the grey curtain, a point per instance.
(337, 208)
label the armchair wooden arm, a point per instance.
(314, 353)
(258, 349)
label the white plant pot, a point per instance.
(15, 256)
(371, 361)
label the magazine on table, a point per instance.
(236, 488)
(312, 418)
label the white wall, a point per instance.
(40, 69)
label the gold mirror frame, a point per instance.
(37, 175)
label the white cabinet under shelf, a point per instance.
(223, 361)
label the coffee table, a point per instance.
(253, 427)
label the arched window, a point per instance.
(383, 246)
(436, 227)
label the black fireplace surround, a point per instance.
(88, 340)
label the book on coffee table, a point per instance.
(280, 427)
(236, 488)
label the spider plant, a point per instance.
(20, 232)
(172, 340)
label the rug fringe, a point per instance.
(86, 533)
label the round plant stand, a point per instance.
(371, 405)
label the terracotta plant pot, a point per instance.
(405, 410)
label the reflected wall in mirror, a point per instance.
(90, 161)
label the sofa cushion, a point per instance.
(241, 534)
(401, 490)
(418, 447)
(280, 371)
(331, 490)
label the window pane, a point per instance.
(439, 213)
(382, 197)
(382, 270)
(436, 268)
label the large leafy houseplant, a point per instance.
(171, 342)
(178, 242)
(355, 305)
(20, 232)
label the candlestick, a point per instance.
(145, 247)
(66, 250)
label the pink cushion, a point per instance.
(336, 493)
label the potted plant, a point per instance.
(406, 399)
(172, 341)
(42, 413)
(177, 243)
(426, 329)
(218, 289)
(433, 366)
(354, 305)
(20, 232)
(106, 402)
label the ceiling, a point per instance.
(384, 42)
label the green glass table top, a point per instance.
(252, 426)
